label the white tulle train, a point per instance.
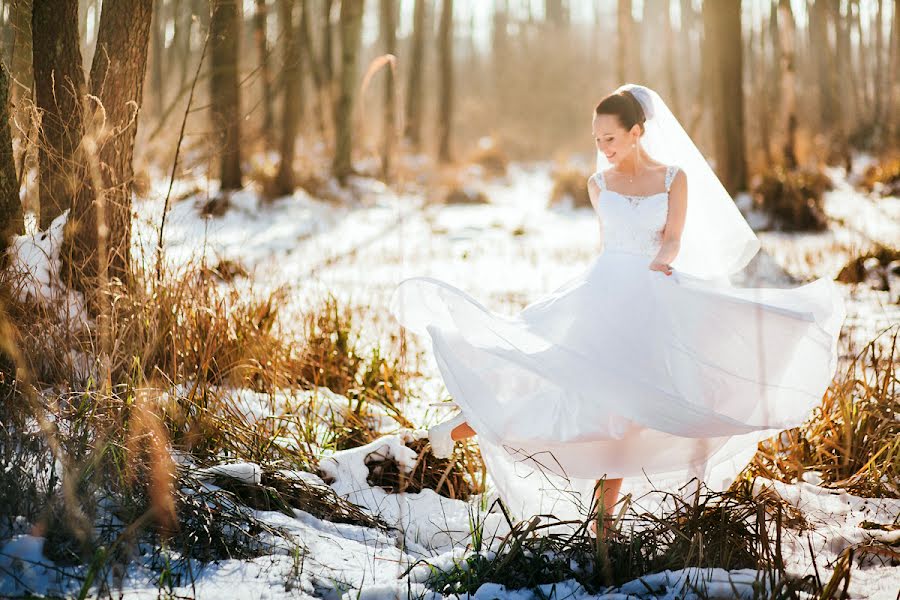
(626, 372)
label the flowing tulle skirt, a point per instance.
(626, 372)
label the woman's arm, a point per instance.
(671, 241)
(593, 191)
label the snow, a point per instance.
(34, 263)
(507, 252)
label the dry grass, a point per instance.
(491, 158)
(459, 477)
(853, 438)
(570, 183)
(883, 177)
(860, 268)
(731, 530)
(792, 199)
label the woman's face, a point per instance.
(612, 139)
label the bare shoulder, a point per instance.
(679, 178)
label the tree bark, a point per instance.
(11, 221)
(416, 67)
(555, 13)
(722, 27)
(20, 67)
(389, 42)
(351, 37)
(878, 49)
(788, 69)
(445, 112)
(225, 36)
(322, 93)
(892, 113)
(260, 18)
(328, 47)
(157, 46)
(673, 75)
(284, 180)
(98, 234)
(59, 85)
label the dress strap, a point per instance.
(601, 182)
(671, 170)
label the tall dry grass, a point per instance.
(853, 438)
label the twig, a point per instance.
(162, 225)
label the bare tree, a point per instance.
(788, 69)
(389, 41)
(328, 47)
(98, 234)
(892, 116)
(20, 68)
(722, 27)
(628, 56)
(260, 18)
(351, 37)
(225, 90)
(445, 51)
(59, 84)
(555, 12)
(290, 116)
(322, 94)
(416, 67)
(11, 221)
(157, 46)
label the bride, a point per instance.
(648, 365)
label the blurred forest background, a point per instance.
(274, 90)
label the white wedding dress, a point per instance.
(627, 372)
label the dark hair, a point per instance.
(625, 106)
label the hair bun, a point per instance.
(642, 95)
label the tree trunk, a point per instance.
(788, 69)
(555, 13)
(59, 85)
(722, 26)
(260, 18)
(328, 48)
(892, 116)
(445, 111)
(623, 40)
(157, 46)
(673, 74)
(11, 221)
(290, 74)
(389, 41)
(351, 37)
(98, 234)
(416, 68)
(820, 40)
(842, 84)
(756, 66)
(225, 34)
(878, 90)
(20, 67)
(322, 94)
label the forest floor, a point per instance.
(506, 253)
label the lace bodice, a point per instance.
(632, 224)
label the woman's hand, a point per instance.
(658, 265)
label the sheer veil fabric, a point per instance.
(626, 372)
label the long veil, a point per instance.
(716, 241)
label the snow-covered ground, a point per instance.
(506, 253)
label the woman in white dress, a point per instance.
(647, 366)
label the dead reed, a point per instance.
(853, 439)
